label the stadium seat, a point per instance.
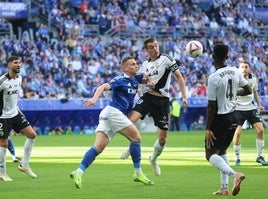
(77, 129)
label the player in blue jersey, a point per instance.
(155, 101)
(12, 151)
(12, 118)
(222, 118)
(113, 118)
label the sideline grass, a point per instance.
(185, 172)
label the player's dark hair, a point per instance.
(220, 51)
(148, 40)
(12, 58)
(245, 62)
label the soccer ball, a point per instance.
(194, 48)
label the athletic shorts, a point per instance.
(16, 123)
(223, 127)
(157, 107)
(252, 116)
(112, 120)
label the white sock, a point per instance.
(157, 151)
(28, 146)
(218, 162)
(2, 160)
(224, 177)
(138, 171)
(260, 146)
(237, 149)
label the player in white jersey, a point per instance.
(221, 116)
(247, 111)
(155, 100)
(113, 118)
(12, 118)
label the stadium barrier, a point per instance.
(50, 113)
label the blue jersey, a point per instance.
(124, 91)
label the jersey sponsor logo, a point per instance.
(153, 73)
(132, 91)
(15, 92)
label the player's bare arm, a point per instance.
(180, 80)
(211, 111)
(97, 94)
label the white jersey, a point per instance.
(159, 72)
(9, 94)
(245, 103)
(222, 87)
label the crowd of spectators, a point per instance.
(73, 65)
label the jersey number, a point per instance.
(229, 93)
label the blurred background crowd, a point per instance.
(77, 45)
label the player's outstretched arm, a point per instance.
(97, 94)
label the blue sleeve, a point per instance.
(139, 77)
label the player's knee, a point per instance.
(209, 153)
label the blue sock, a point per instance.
(11, 147)
(88, 158)
(135, 152)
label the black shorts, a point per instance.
(157, 107)
(252, 116)
(223, 127)
(16, 123)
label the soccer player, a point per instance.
(247, 111)
(113, 118)
(12, 151)
(155, 101)
(12, 118)
(221, 116)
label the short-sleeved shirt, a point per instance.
(9, 94)
(222, 87)
(124, 91)
(245, 103)
(159, 72)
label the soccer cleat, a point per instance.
(156, 168)
(77, 178)
(5, 177)
(261, 160)
(237, 162)
(124, 155)
(27, 170)
(239, 177)
(143, 179)
(16, 159)
(222, 192)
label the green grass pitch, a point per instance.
(185, 172)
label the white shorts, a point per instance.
(112, 120)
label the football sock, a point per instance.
(88, 158)
(224, 177)
(237, 149)
(2, 160)
(135, 152)
(28, 146)
(218, 162)
(260, 146)
(11, 148)
(157, 151)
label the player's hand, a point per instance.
(210, 137)
(261, 108)
(184, 102)
(89, 102)
(150, 84)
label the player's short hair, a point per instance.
(124, 60)
(148, 40)
(220, 50)
(245, 62)
(12, 58)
